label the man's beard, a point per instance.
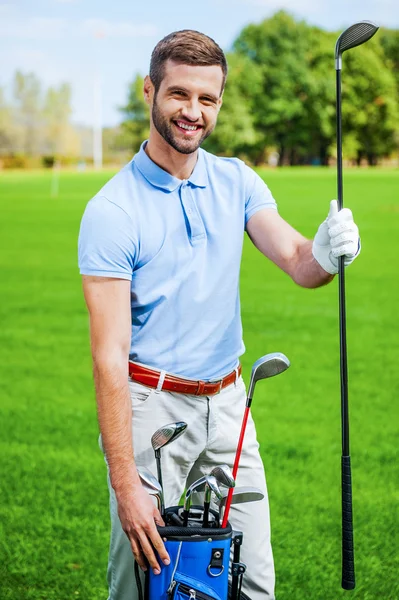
(165, 130)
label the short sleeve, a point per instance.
(258, 195)
(106, 245)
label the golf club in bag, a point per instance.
(356, 34)
(265, 367)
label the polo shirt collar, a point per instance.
(164, 180)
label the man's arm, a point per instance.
(310, 263)
(108, 302)
(287, 248)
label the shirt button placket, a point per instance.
(197, 229)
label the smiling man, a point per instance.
(159, 250)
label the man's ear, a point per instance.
(148, 90)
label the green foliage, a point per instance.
(56, 113)
(136, 125)
(389, 39)
(297, 104)
(278, 46)
(35, 121)
(236, 131)
(370, 108)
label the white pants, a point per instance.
(211, 437)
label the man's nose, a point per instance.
(192, 110)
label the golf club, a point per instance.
(211, 485)
(223, 476)
(161, 438)
(356, 34)
(196, 486)
(152, 486)
(240, 495)
(265, 367)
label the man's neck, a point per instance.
(170, 160)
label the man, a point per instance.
(159, 250)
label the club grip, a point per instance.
(348, 560)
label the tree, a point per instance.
(236, 131)
(27, 111)
(136, 125)
(279, 47)
(6, 127)
(370, 109)
(56, 114)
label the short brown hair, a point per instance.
(188, 47)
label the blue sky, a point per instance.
(72, 40)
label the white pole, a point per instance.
(97, 126)
(55, 179)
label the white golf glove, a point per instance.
(337, 236)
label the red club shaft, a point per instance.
(235, 467)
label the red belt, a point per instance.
(171, 383)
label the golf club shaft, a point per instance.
(205, 518)
(348, 565)
(235, 467)
(159, 469)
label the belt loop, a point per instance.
(236, 379)
(160, 381)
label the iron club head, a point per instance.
(151, 485)
(240, 496)
(223, 475)
(211, 485)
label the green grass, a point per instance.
(53, 504)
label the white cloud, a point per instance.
(14, 24)
(33, 28)
(297, 7)
(107, 28)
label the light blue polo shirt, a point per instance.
(180, 244)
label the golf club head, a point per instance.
(355, 35)
(194, 487)
(148, 478)
(151, 485)
(241, 495)
(211, 485)
(166, 434)
(265, 367)
(223, 475)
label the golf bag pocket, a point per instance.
(199, 564)
(187, 588)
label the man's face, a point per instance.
(185, 108)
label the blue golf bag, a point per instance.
(199, 562)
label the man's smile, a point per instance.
(187, 128)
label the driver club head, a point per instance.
(167, 434)
(265, 367)
(353, 36)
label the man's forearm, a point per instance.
(115, 420)
(306, 271)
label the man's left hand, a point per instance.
(337, 236)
